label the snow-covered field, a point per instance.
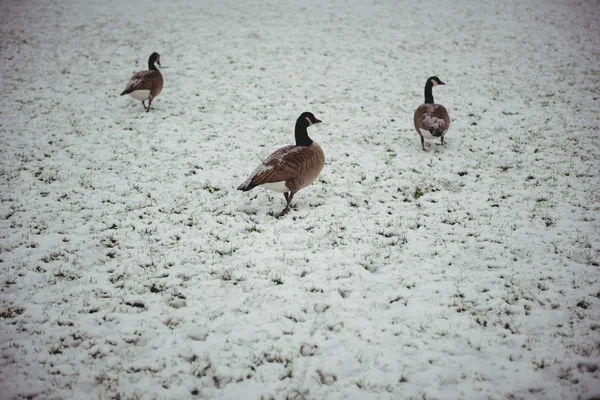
(132, 268)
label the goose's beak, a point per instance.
(316, 121)
(441, 83)
(158, 62)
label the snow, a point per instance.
(132, 267)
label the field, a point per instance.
(132, 268)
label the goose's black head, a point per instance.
(434, 81)
(154, 58)
(431, 82)
(307, 119)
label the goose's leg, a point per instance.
(288, 199)
(149, 102)
(423, 143)
(442, 139)
(144, 104)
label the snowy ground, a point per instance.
(133, 269)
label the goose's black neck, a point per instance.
(302, 138)
(152, 65)
(428, 94)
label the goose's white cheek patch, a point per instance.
(140, 95)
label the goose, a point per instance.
(146, 85)
(292, 167)
(431, 120)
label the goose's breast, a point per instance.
(312, 168)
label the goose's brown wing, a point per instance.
(282, 165)
(143, 80)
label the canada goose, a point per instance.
(146, 85)
(431, 120)
(290, 168)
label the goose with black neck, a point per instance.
(292, 167)
(431, 120)
(146, 85)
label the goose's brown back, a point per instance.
(151, 80)
(431, 117)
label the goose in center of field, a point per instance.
(146, 85)
(290, 168)
(431, 120)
